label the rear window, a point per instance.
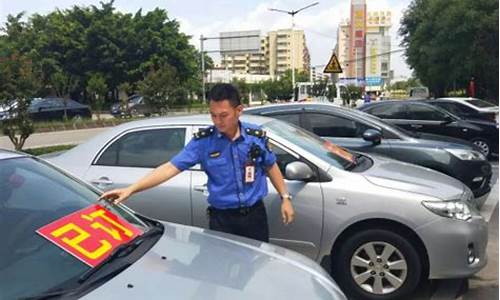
(480, 103)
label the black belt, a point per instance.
(244, 210)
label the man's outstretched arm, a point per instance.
(156, 177)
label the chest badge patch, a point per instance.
(214, 154)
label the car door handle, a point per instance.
(416, 126)
(201, 188)
(102, 181)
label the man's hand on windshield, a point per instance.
(116, 196)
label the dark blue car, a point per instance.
(53, 109)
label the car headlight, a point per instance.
(464, 154)
(454, 209)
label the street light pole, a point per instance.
(293, 13)
(202, 69)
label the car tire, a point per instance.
(391, 271)
(483, 145)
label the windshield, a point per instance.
(32, 195)
(480, 103)
(329, 152)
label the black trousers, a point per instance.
(250, 222)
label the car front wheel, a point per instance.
(377, 264)
(483, 145)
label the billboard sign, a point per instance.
(236, 42)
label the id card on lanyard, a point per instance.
(249, 172)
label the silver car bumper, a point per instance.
(449, 244)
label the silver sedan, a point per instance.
(382, 224)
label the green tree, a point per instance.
(63, 84)
(244, 89)
(448, 42)
(280, 89)
(97, 89)
(161, 88)
(18, 84)
(98, 39)
(350, 92)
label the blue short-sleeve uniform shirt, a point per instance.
(224, 163)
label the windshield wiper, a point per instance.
(355, 162)
(48, 295)
(120, 251)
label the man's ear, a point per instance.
(239, 109)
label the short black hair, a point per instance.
(225, 91)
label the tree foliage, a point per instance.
(162, 88)
(18, 83)
(350, 92)
(86, 40)
(96, 88)
(449, 42)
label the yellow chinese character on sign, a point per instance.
(111, 231)
(77, 240)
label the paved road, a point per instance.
(54, 138)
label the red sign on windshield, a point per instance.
(90, 234)
(338, 151)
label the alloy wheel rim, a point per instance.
(485, 149)
(378, 268)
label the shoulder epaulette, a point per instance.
(204, 132)
(256, 132)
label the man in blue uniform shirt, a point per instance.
(236, 159)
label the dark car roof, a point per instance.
(352, 113)
(412, 101)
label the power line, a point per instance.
(365, 57)
(318, 33)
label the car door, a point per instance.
(56, 109)
(44, 110)
(133, 154)
(459, 109)
(392, 112)
(426, 118)
(304, 234)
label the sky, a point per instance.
(208, 18)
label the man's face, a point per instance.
(224, 115)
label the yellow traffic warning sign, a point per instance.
(333, 65)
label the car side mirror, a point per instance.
(298, 170)
(373, 136)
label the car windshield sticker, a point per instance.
(339, 151)
(90, 234)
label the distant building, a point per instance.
(378, 47)
(280, 52)
(343, 46)
(269, 55)
(363, 47)
(217, 75)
